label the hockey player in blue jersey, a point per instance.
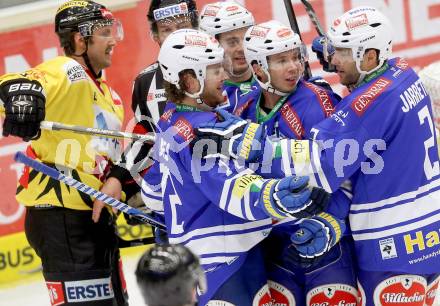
(381, 137)
(227, 21)
(288, 107)
(217, 208)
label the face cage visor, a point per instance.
(112, 29)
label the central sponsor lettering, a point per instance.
(323, 98)
(421, 241)
(361, 103)
(401, 290)
(293, 121)
(89, 290)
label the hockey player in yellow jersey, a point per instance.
(80, 257)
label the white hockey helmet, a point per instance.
(269, 38)
(360, 29)
(189, 49)
(224, 16)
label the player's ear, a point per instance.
(259, 71)
(80, 43)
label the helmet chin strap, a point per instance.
(87, 60)
(363, 73)
(197, 97)
(268, 85)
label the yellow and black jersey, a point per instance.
(72, 97)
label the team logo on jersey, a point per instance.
(281, 296)
(262, 297)
(56, 293)
(258, 31)
(356, 21)
(387, 248)
(167, 115)
(401, 63)
(362, 102)
(332, 295)
(401, 290)
(431, 292)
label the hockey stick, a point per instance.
(56, 126)
(53, 173)
(319, 29)
(294, 25)
(312, 15)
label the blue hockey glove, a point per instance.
(234, 136)
(318, 46)
(291, 197)
(313, 238)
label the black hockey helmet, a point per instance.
(168, 275)
(81, 16)
(163, 9)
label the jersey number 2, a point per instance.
(431, 169)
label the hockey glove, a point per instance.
(234, 137)
(313, 238)
(290, 197)
(24, 103)
(318, 45)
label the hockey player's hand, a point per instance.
(291, 197)
(111, 187)
(313, 238)
(24, 103)
(318, 45)
(234, 137)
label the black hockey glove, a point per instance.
(24, 103)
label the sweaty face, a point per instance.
(167, 26)
(232, 42)
(213, 91)
(345, 66)
(285, 69)
(100, 48)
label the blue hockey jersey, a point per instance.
(382, 138)
(293, 118)
(209, 205)
(234, 91)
